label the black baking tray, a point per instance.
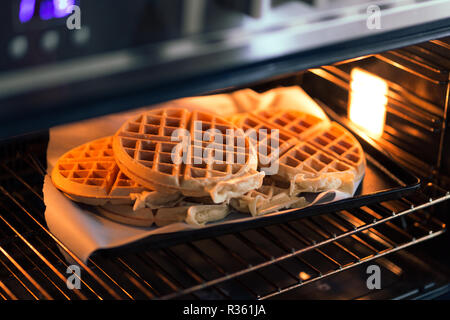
(384, 180)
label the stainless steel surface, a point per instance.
(287, 29)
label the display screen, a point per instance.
(44, 9)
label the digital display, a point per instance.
(44, 9)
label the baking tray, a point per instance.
(384, 180)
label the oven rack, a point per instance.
(258, 263)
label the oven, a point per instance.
(61, 66)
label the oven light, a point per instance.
(304, 276)
(367, 101)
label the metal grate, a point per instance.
(254, 264)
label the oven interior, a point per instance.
(321, 257)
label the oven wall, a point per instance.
(416, 130)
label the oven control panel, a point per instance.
(37, 32)
(36, 27)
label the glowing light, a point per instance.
(60, 4)
(304, 276)
(367, 103)
(61, 7)
(26, 10)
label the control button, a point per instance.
(50, 40)
(18, 47)
(81, 36)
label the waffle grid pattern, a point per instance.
(218, 149)
(158, 124)
(270, 144)
(147, 139)
(93, 164)
(155, 155)
(206, 147)
(298, 123)
(340, 144)
(311, 159)
(305, 144)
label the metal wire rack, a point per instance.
(254, 264)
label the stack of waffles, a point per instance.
(163, 166)
(172, 165)
(89, 174)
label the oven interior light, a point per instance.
(304, 276)
(367, 101)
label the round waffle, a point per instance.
(312, 169)
(195, 152)
(276, 132)
(342, 145)
(313, 154)
(89, 174)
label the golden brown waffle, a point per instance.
(89, 174)
(342, 145)
(269, 146)
(276, 131)
(149, 149)
(328, 136)
(310, 169)
(314, 155)
(299, 124)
